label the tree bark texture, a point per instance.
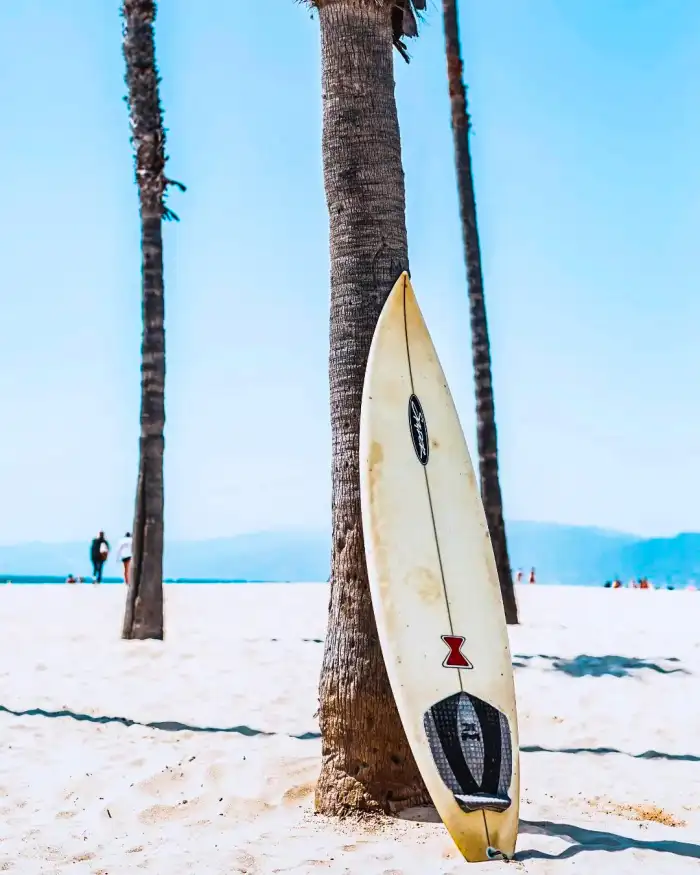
(367, 764)
(487, 439)
(143, 617)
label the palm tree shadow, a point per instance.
(602, 751)
(163, 725)
(584, 839)
(599, 666)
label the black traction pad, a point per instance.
(472, 749)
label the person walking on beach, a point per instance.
(531, 578)
(99, 551)
(124, 552)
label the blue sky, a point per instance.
(585, 146)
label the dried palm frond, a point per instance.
(404, 18)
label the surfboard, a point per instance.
(434, 586)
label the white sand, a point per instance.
(96, 796)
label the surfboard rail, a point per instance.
(434, 586)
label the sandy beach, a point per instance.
(200, 753)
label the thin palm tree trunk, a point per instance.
(143, 617)
(487, 442)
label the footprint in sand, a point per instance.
(184, 810)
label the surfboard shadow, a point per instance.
(584, 665)
(584, 839)
(163, 725)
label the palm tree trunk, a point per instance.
(487, 442)
(366, 761)
(143, 617)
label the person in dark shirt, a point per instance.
(99, 551)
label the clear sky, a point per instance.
(586, 136)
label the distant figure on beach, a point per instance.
(531, 578)
(519, 576)
(644, 583)
(99, 551)
(124, 554)
(71, 579)
(617, 583)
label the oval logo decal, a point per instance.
(419, 429)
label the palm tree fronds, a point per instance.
(404, 20)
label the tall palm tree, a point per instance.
(487, 442)
(366, 761)
(143, 617)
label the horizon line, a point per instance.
(326, 532)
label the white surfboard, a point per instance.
(435, 587)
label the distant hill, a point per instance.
(294, 556)
(561, 554)
(676, 560)
(566, 554)
(291, 555)
(582, 555)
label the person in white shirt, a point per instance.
(124, 553)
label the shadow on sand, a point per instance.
(601, 751)
(584, 665)
(584, 839)
(164, 725)
(250, 732)
(599, 666)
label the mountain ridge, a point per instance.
(577, 555)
